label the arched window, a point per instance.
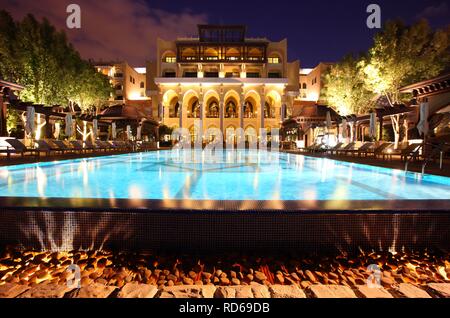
(193, 108)
(230, 109)
(213, 109)
(269, 109)
(304, 86)
(248, 109)
(142, 85)
(174, 108)
(188, 54)
(169, 57)
(274, 59)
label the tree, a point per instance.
(344, 88)
(402, 55)
(8, 56)
(36, 55)
(91, 90)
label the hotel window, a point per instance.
(170, 74)
(274, 75)
(170, 59)
(253, 74)
(273, 60)
(190, 74)
(211, 74)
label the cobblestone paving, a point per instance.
(103, 274)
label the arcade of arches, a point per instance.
(224, 109)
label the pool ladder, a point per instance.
(435, 150)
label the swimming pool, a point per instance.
(234, 175)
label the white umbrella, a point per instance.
(95, 128)
(129, 132)
(69, 124)
(29, 125)
(344, 128)
(328, 121)
(57, 130)
(423, 125)
(113, 131)
(373, 123)
(139, 133)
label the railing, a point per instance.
(413, 155)
(436, 150)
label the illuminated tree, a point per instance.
(344, 88)
(36, 55)
(402, 55)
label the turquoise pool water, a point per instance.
(234, 175)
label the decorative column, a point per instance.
(202, 106)
(221, 111)
(180, 111)
(262, 99)
(241, 109)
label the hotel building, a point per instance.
(222, 79)
(129, 84)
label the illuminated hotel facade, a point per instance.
(223, 80)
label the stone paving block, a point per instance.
(441, 290)
(411, 291)
(135, 290)
(377, 292)
(244, 291)
(225, 292)
(286, 291)
(260, 291)
(10, 290)
(47, 291)
(94, 290)
(331, 291)
(189, 291)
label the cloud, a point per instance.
(113, 29)
(434, 11)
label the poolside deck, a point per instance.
(394, 163)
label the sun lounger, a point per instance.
(335, 148)
(348, 147)
(378, 150)
(17, 147)
(364, 148)
(48, 148)
(62, 146)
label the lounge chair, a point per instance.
(89, 145)
(378, 150)
(348, 147)
(410, 150)
(105, 145)
(19, 148)
(335, 148)
(63, 147)
(48, 148)
(78, 146)
(365, 147)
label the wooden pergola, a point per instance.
(7, 90)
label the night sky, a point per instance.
(316, 30)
